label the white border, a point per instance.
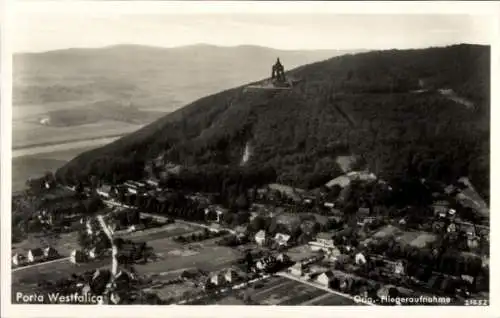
(490, 9)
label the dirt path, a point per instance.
(451, 95)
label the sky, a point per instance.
(45, 31)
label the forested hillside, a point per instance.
(384, 106)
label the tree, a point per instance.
(211, 215)
(229, 218)
(242, 217)
(242, 202)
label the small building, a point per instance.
(241, 231)
(153, 182)
(397, 267)
(219, 212)
(136, 227)
(387, 291)
(360, 259)
(329, 205)
(105, 191)
(332, 255)
(467, 278)
(323, 241)
(364, 212)
(18, 259)
(50, 253)
(452, 228)
(35, 255)
(326, 279)
(86, 289)
(473, 242)
(115, 298)
(265, 262)
(468, 228)
(92, 253)
(77, 256)
(441, 208)
(485, 262)
(231, 276)
(260, 237)
(282, 239)
(297, 269)
(218, 279)
(282, 258)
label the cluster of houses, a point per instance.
(115, 290)
(129, 187)
(35, 255)
(223, 278)
(271, 263)
(342, 281)
(448, 221)
(282, 240)
(81, 256)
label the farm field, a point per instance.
(300, 252)
(285, 292)
(173, 256)
(26, 134)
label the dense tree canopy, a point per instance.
(364, 104)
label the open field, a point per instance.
(285, 292)
(300, 252)
(423, 239)
(26, 134)
(418, 239)
(175, 256)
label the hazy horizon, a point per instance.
(292, 32)
(232, 46)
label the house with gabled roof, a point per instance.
(105, 191)
(35, 255)
(260, 237)
(360, 259)
(92, 253)
(326, 279)
(77, 256)
(50, 253)
(18, 259)
(282, 239)
(231, 276)
(218, 279)
(323, 241)
(297, 269)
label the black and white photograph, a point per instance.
(250, 158)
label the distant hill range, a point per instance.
(153, 78)
(384, 106)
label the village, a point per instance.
(290, 246)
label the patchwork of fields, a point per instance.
(173, 258)
(285, 292)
